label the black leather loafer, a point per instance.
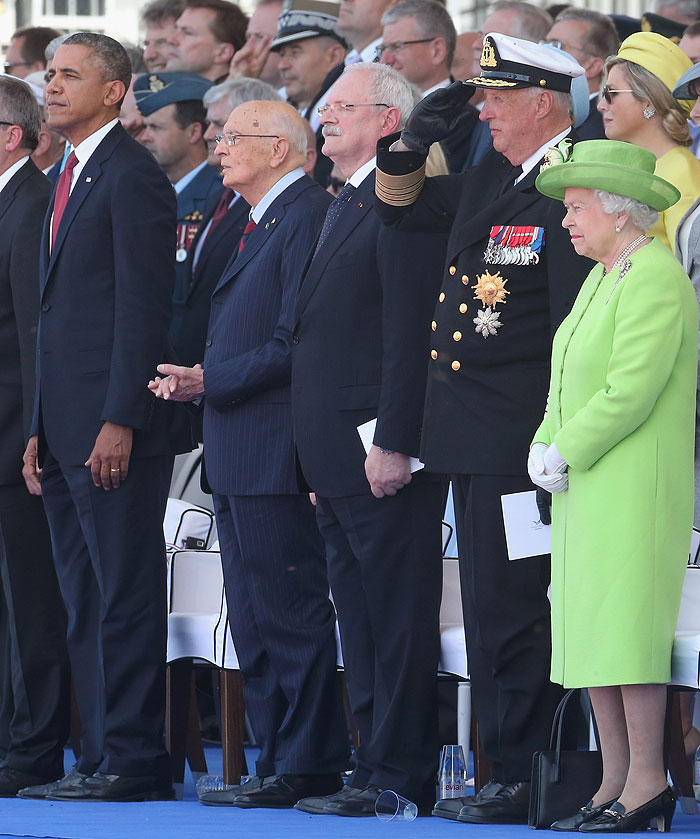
(285, 790)
(225, 797)
(40, 791)
(585, 814)
(355, 803)
(450, 808)
(508, 806)
(99, 787)
(12, 781)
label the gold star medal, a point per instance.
(490, 288)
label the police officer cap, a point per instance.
(154, 91)
(512, 63)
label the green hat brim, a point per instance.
(609, 177)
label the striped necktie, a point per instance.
(248, 229)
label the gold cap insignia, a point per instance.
(155, 83)
(489, 55)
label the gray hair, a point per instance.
(18, 106)
(533, 23)
(563, 101)
(239, 91)
(388, 86)
(110, 57)
(641, 215)
(286, 122)
(601, 39)
(688, 8)
(53, 45)
(431, 18)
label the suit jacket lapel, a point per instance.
(8, 193)
(357, 208)
(214, 237)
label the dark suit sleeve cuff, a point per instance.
(400, 174)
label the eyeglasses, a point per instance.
(2, 122)
(9, 65)
(395, 46)
(231, 139)
(344, 108)
(607, 93)
(560, 45)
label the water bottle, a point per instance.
(453, 772)
(210, 783)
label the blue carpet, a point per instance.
(190, 820)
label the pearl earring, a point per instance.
(617, 229)
(648, 113)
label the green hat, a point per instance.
(610, 165)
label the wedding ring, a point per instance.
(115, 470)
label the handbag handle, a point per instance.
(557, 726)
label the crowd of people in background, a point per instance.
(263, 233)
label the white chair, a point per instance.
(185, 482)
(198, 632)
(187, 525)
(453, 647)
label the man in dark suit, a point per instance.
(282, 621)
(590, 37)
(106, 446)
(311, 54)
(36, 683)
(224, 219)
(511, 277)
(359, 354)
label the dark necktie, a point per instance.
(333, 214)
(62, 194)
(221, 208)
(509, 180)
(248, 229)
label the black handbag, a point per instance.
(562, 781)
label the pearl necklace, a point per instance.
(625, 253)
(623, 262)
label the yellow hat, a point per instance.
(660, 56)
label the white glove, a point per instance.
(535, 461)
(554, 463)
(553, 483)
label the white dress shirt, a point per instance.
(534, 159)
(6, 176)
(277, 189)
(369, 53)
(189, 177)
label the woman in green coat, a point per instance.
(616, 448)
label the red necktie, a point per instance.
(248, 229)
(221, 208)
(62, 194)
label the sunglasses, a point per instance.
(607, 93)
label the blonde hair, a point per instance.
(646, 86)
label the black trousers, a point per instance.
(507, 625)
(36, 673)
(283, 626)
(385, 569)
(110, 562)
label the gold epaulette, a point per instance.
(399, 190)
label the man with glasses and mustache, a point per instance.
(282, 622)
(359, 355)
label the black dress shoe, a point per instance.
(224, 797)
(318, 804)
(356, 803)
(617, 820)
(12, 781)
(585, 814)
(100, 787)
(508, 806)
(68, 782)
(449, 808)
(285, 790)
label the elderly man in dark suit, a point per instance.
(281, 619)
(359, 354)
(35, 660)
(106, 446)
(511, 276)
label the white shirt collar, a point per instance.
(6, 176)
(534, 159)
(362, 172)
(276, 190)
(443, 83)
(190, 176)
(369, 53)
(84, 151)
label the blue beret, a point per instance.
(153, 91)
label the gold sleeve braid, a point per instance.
(399, 190)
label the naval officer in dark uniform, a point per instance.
(511, 276)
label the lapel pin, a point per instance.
(267, 226)
(360, 204)
(273, 221)
(88, 180)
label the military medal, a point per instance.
(514, 245)
(186, 233)
(487, 322)
(490, 289)
(181, 254)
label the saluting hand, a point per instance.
(436, 116)
(181, 384)
(387, 473)
(249, 60)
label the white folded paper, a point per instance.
(525, 533)
(366, 432)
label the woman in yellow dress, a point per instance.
(638, 107)
(616, 448)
